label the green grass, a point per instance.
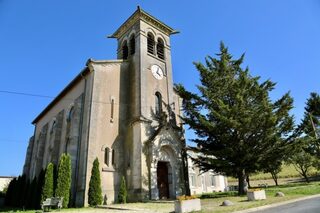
(7, 209)
(291, 191)
(288, 171)
(211, 201)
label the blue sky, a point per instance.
(45, 44)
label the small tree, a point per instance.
(10, 192)
(95, 192)
(122, 196)
(47, 189)
(38, 190)
(301, 159)
(64, 179)
(30, 200)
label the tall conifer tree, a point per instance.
(64, 179)
(47, 189)
(237, 126)
(95, 192)
(122, 196)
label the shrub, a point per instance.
(38, 190)
(47, 189)
(10, 192)
(64, 179)
(31, 195)
(95, 192)
(122, 196)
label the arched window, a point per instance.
(158, 103)
(112, 158)
(160, 48)
(53, 127)
(132, 45)
(150, 43)
(125, 51)
(70, 114)
(106, 156)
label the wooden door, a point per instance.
(162, 180)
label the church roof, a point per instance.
(140, 14)
(74, 82)
(78, 78)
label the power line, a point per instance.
(63, 99)
(25, 94)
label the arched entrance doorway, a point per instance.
(163, 179)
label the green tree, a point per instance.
(38, 190)
(64, 179)
(10, 192)
(309, 128)
(47, 189)
(122, 196)
(236, 124)
(30, 200)
(95, 192)
(301, 159)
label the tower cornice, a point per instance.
(138, 15)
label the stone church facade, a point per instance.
(124, 112)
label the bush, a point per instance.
(122, 196)
(218, 194)
(2, 194)
(95, 192)
(64, 179)
(10, 192)
(31, 195)
(47, 189)
(38, 190)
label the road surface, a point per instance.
(305, 206)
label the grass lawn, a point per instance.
(291, 191)
(288, 171)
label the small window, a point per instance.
(150, 43)
(192, 180)
(213, 180)
(125, 51)
(160, 49)
(106, 156)
(112, 109)
(112, 159)
(132, 45)
(158, 103)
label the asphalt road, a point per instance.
(305, 206)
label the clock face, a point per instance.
(157, 72)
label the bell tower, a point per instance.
(144, 43)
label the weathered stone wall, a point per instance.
(41, 149)
(107, 124)
(27, 163)
(57, 137)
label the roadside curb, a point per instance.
(277, 204)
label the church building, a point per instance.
(125, 112)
